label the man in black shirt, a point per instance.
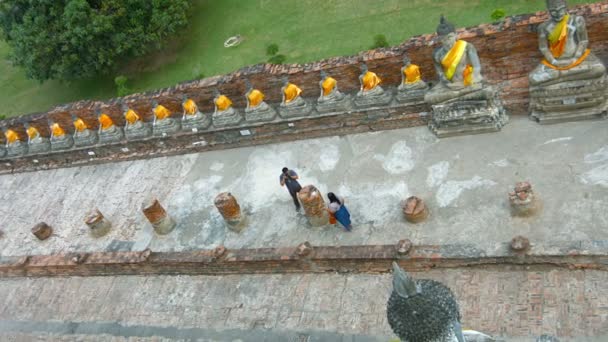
(289, 178)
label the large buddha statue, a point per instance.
(108, 131)
(36, 142)
(193, 119)
(371, 93)
(257, 109)
(462, 103)
(331, 99)
(412, 88)
(570, 82)
(83, 134)
(14, 145)
(163, 124)
(60, 140)
(225, 114)
(135, 127)
(292, 103)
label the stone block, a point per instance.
(42, 231)
(98, 224)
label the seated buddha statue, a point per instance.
(193, 119)
(461, 101)
(135, 127)
(292, 103)
(14, 145)
(108, 131)
(60, 140)
(36, 142)
(83, 134)
(412, 87)
(163, 123)
(570, 81)
(224, 114)
(331, 99)
(371, 93)
(257, 109)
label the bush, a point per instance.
(121, 86)
(277, 59)
(2, 116)
(498, 14)
(72, 39)
(380, 41)
(272, 49)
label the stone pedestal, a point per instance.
(2, 151)
(113, 134)
(161, 222)
(227, 205)
(415, 210)
(63, 142)
(477, 112)
(85, 137)
(569, 101)
(138, 130)
(523, 200)
(98, 224)
(376, 97)
(18, 148)
(226, 118)
(260, 113)
(412, 94)
(337, 103)
(314, 206)
(42, 231)
(166, 126)
(39, 145)
(196, 121)
(296, 108)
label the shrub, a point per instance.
(272, 49)
(380, 41)
(2, 116)
(121, 86)
(498, 14)
(277, 59)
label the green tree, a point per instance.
(71, 39)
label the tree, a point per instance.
(71, 39)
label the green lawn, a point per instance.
(305, 30)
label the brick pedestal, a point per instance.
(227, 205)
(314, 206)
(161, 222)
(98, 224)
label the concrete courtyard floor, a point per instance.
(464, 181)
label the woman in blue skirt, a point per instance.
(337, 208)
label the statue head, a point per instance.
(446, 32)
(184, 98)
(154, 103)
(124, 107)
(285, 80)
(364, 68)
(557, 9)
(74, 117)
(402, 283)
(406, 60)
(98, 112)
(216, 93)
(50, 122)
(248, 84)
(26, 125)
(323, 75)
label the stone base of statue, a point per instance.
(2, 151)
(196, 121)
(412, 93)
(262, 112)
(334, 103)
(376, 97)
(478, 111)
(295, 109)
(111, 135)
(63, 142)
(138, 130)
(39, 145)
(18, 148)
(85, 138)
(569, 101)
(228, 117)
(166, 126)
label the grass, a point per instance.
(305, 30)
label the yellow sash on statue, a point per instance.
(559, 37)
(32, 132)
(412, 74)
(328, 85)
(79, 125)
(131, 116)
(370, 81)
(190, 107)
(11, 136)
(255, 98)
(105, 121)
(57, 130)
(291, 92)
(161, 112)
(223, 103)
(452, 59)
